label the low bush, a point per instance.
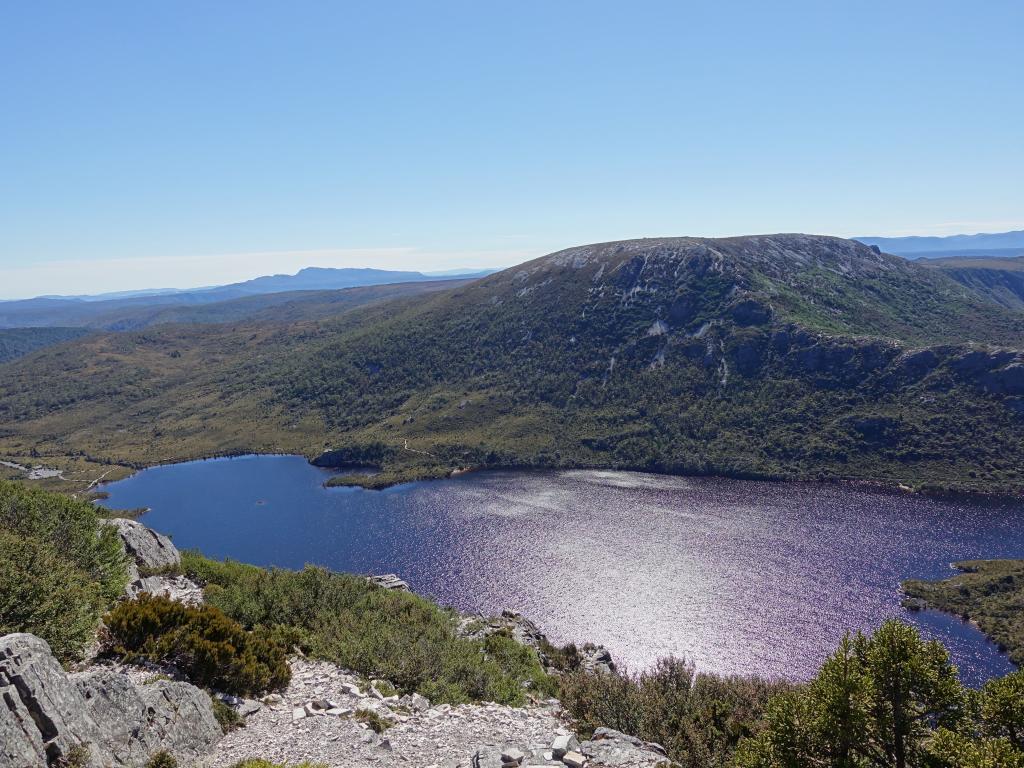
(59, 568)
(376, 723)
(71, 527)
(210, 648)
(376, 632)
(162, 759)
(698, 718)
(227, 716)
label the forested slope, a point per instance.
(786, 356)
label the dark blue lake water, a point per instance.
(739, 576)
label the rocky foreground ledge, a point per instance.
(119, 716)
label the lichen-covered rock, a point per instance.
(46, 714)
(137, 721)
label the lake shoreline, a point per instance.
(381, 478)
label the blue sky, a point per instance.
(173, 144)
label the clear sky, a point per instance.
(154, 144)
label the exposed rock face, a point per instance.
(45, 713)
(389, 581)
(612, 748)
(592, 658)
(148, 549)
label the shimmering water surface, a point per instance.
(739, 576)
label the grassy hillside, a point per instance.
(784, 356)
(17, 342)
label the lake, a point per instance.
(738, 576)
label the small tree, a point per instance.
(913, 688)
(1002, 709)
(875, 702)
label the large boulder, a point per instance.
(149, 550)
(47, 715)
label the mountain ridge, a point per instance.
(983, 243)
(777, 356)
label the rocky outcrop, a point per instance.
(389, 581)
(589, 657)
(177, 588)
(47, 715)
(152, 560)
(148, 550)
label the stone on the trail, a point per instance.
(574, 759)
(512, 756)
(298, 713)
(416, 702)
(488, 757)
(563, 744)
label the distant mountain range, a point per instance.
(126, 309)
(984, 245)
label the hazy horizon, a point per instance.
(237, 268)
(195, 144)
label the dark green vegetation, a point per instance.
(698, 718)
(891, 701)
(209, 648)
(785, 356)
(162, 759)
(988, 592)
(59, 570)
(16, 342)
(998, 280)
(378, 633)
(227, 716)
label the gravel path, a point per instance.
(293, 729)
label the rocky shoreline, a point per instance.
(119, 715)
